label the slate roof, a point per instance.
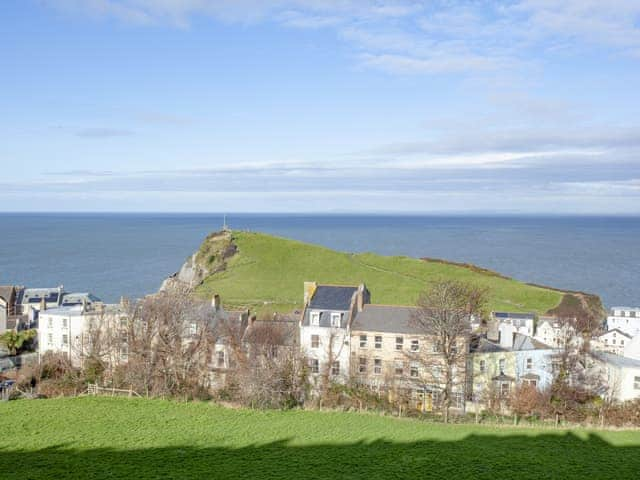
(617, 360)
(332, 297)
(385, 318)
(521, 316)
(524, 342)
(34, 295)
(617, 330)
(69, 299)
(485, 346)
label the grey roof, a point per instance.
(332, 297)
(617, 360)
(6, 291)
(522, 316)
(524, 342)
(385, 318)
(69, 299)
(616, 330)
(485, 346)
(35, 295)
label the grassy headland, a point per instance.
(264, 270)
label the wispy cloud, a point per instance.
(103, 132)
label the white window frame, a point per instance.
(363, 341)
(377, 366)
(335, 368)
(317, 344)
(314, 319)
(415, 345)
(399, 343)
(336, 318)
(314, 365)
(377, 344)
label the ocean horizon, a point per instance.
(113, 254)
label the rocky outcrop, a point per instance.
(211, 257)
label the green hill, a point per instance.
(262, 271)
(110, 438)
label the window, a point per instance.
(220, 359)
(124, 352)
(65, 339)
(315, 341)
(504, 389)
(65, 323)
(335, 368)
(363, 341)
(483, 366)
(314, 364)
(193, 329)
(123, 322)
(377, 366)
(378, 341)
(613, 341)
(415, 345)
(50, 338)
(529, 363)
(50, 322)
(501, 365)
(437, 347)
(399, 367)
(399, 343)
(315, 318)
(621, 342)
(335, 319)
(532, 383)
(415, 370)
(362, 365)
(636, 383)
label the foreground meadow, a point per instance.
(122, 438)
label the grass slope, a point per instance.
(100, 438)
(272, 269)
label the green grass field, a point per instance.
(110, 438)
(271, 269)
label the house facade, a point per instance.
(504, 325)
(69, 330)
(556, 332)
(626, 319)
(494, 370)
(619, 375)
(613, 341)
(325, 327)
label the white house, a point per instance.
(68, 330)
(632, 348)
(620, 376)
(325, 326)
(556, 333)
(626, 319)
(504, 325)
(613, 341)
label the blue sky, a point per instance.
(523, 106)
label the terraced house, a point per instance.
(391, 354)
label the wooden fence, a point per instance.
(95, 390)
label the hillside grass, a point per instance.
(271, 270)
(107, 438)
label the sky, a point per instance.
(520, 106)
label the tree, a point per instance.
(444, 316)
(15, 341)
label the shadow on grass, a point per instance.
(485, 456)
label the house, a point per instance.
(556, 332)
(632, 348)
(626, 319)
(325, 327)
(613, 341)
(69, 330)
(7, 305)
(390, 353)
(495, 370)
(503, 325)
(29, 301)
(620, 376)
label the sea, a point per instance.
(115, 254)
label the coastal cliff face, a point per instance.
(210, 258)
(251, 270)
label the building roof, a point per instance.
(521, 316)
(617, 330)
(332, 297)
(385, 318)
(524, 342)
(626, 309)
(35, 295)
(6, 291)
(617, 360)
(485, 346)
(70, 299)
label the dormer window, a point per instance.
(335, 319)
(315, 318)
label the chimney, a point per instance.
(360, 297)
(215, 302)
(43, 304)
(252, 319)
(309, 290)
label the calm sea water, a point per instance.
(130, 254)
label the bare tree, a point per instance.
(444, 316)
